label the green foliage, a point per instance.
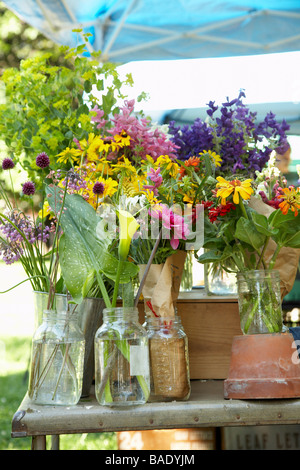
(80, 224)
(45, 107)
(239, 242)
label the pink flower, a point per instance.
(98, 117)
(178, 229)
(143, 140)
(157, 179)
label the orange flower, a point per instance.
(192, 161)
(291, 200)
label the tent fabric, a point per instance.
(130, 30)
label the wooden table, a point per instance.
(205, 408)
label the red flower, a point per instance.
(220, 210)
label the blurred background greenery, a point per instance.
(19, 41)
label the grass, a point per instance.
(14, 359)
(16, 329)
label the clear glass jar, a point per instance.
(57, 360)
(218, 281)
(122, 371)
(169, 359)
(259, 301)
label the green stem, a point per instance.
(117, 282)
(261, 260)
(241, 204)
(274, 257)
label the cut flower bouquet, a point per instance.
(248, 229)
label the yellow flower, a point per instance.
(45, 211)
(150, 197)
(215, 158)
(69, 155)
(123, 140)
(131, 186)
(237, 187)
(291, 200)
(124, 166)
(128, 227)
(168, 164)
(90, 147)
(110, 188)
(104, 167)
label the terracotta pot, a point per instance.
(263, 366)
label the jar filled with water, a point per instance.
(57, 360)
(122, 371)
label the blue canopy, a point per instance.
(129, 30)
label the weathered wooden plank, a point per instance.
(206, 407)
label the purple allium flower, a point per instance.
(42, 160)
(7, 164)
(28, 188)
(98, 188)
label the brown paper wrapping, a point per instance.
(162, 285)
(288, 258)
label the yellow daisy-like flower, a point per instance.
(124, 166)
(69, 156)
(110, 187)
(237, 187)
(104, 167)
(168, 164)
(150, 197)
(215, 158)
(291, 200)
(90, 147)
(123, 139)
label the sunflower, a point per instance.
(237, 187)
(291, 200)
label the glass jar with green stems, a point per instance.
(122, 371)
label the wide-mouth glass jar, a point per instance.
(57, 360)
(122, 371)
(259, 299)
(169, 359)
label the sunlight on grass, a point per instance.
(16, 329)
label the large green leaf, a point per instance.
(82, 246)
(246, 232)
(261, 224)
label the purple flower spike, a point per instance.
(7, 164)
(28, 188)
(42, 160)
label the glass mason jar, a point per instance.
(218, 281)
(259, 301)
(122, 371)
(169, 360)
(57, 359)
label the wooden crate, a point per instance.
(168, 439)
(210, 323)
